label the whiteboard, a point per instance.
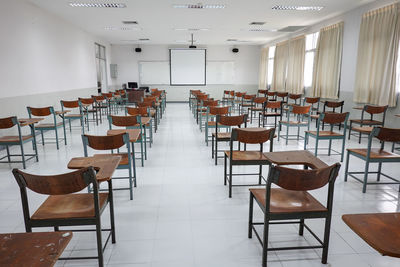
(188, 66)
(220, 72)
(154, 72)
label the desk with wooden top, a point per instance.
(134, 136)
(380, 230)
(29, 121)
(296, 157)
(32, 249)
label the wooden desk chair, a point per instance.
(212, 112)
(282, 96)
(271, 95)
(131, 122)
(291, 201)
(143, 112)
(238, 157)
(332, 106)
(258, 106)
(292, 99)
(314, 102)
(300, 112)
(228, 97)
(262, 93)
(247, 102)
(238, 99)
(366, 125)
(192, 98)
(205, 104)
(71, 106)
(223, 121)
(199, 99)
(270, 109)
(17, 140)
(332, 119)
(88, 107)
(64, 206)
(100, 103)
(109, 101)
(111, 142)
(153, 112)
(50, 126)
(375, 155)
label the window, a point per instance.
(311, 45)
(271, 55)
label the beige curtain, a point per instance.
(295, 68)
(327, 62)
(377, 57)
(280, 65)
(263, 75)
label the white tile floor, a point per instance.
(181, 214)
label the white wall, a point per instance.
(246, 67)
(43, 58)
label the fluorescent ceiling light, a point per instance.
(298, 8)
(112, 28)
(191, 29)
(98, 5)
(199, 6)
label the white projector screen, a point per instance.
(187, 66)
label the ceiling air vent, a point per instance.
(98, 5)
(144, 39)
(257, 23)
(291, 29)
(298, 8)
(199, 6)
(130, 22)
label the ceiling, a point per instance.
(157, 19)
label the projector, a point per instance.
(192, 46)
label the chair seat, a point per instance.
(14, 138)
(73, 116)
(325, 133)
(223, 135)
(285, 201)
(376, 153)
(124, 157)
(246, 155)
(69, 206)
(363, 129)
(294, 122)
(367, 122)
(211, 123)
(48, 125)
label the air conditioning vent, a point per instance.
(257, 23)
(199, 6)
(98, 5)
(291, 29)
(130, 22)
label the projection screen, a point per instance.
(187, 66)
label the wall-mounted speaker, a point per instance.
(235, 50)
(138, 49)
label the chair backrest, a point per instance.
(124, 121)
(107, 95)
(295, 96)
(142, 111)
(105, 142)
(273, 104)
(212, 110)
(334, 118)
(375, 109)
(86, 101)
(60, 184)
(282, 94)
(249, 97)
(70, 104)
(98, 98)
(147, 104)
(226, 120)
(6, 123)
(210, 103)
(252, 135)
(302, 180)
(202, 97)
(271, 93)
(40, 112)
(334, 104)
(384, 134)
(311, 100)
(262, 92)
(260, 100)
(300, 110)
(239, 94)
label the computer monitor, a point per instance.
(132, 85)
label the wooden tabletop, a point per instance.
(61, 112)
(297, 157)
(145, 120)
(32, 249)
(380, 230)
(29, 121)
(134, 134)
(105, 166)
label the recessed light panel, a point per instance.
(298, 8)
(98, 5)
(199, 6)
(191, 29)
